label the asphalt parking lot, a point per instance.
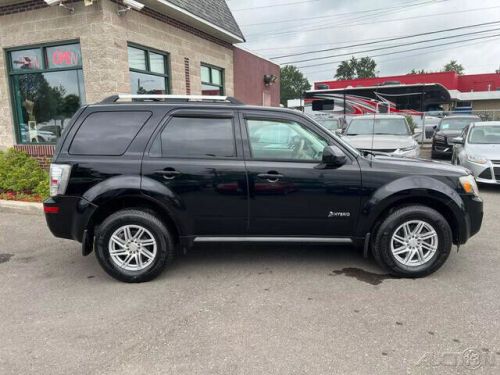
(246, 310)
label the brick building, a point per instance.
(56, 58)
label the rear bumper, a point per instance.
(67, 216)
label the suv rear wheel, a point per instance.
(133, 245)
(413, 241)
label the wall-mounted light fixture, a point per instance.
(130, 4)
(269, 79)
(52, 3)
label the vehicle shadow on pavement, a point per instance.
(333, 257)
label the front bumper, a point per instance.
(488, 173)
(413, 153)
(441, 147)
(473, 217)
(68, 216)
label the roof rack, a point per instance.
(170, 98)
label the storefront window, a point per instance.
(212, 80)
(47, 89)
(148, 71)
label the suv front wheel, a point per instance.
(133, 245)
(413, 241)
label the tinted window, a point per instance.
(198, 137)
(272, 140)
(107, 133)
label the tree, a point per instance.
(354, 68)
(454, 66)
(365, 68)
(346, 69)
(293, 83)
(415, 71)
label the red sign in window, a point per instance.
(64, 56)
(67, 58)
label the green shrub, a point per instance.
(19, 173)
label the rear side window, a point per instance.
(108, 133)
(197, 138)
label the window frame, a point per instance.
(199, 115)
(147, 51)
(222, 73)
(45, 69)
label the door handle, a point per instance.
(270, 176)
(168, 173)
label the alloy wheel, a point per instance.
(414, 243)
(132, 247)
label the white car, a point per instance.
(478, 149)
(382, 133)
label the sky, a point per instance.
(274, 28)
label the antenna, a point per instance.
(373, 130)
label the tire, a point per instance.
(147, 255)
(427, 258)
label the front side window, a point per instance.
(212, 80)
(283, 140)
(197, 138)
(47, 89)
(148, 71)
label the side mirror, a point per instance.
(333, 157)
(434, 127)
(339, 131)
(457, 141)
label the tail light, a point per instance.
(59, 177)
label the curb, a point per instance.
(30, 208)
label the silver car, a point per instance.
(478, 149)
(382, 133)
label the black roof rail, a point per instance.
(170, 98)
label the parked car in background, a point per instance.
(478, 149)
(328, 121)
(430, 124)
(37, 135)
(382, 133)
(448, 128)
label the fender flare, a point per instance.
(147, 189)
(408, 188)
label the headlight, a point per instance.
(477, 159)
(469, 185)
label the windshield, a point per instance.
(455, 123)
(388, 126)
(485, 135)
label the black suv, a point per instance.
(140, 178)
(448, 128)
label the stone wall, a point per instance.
(103, 39)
